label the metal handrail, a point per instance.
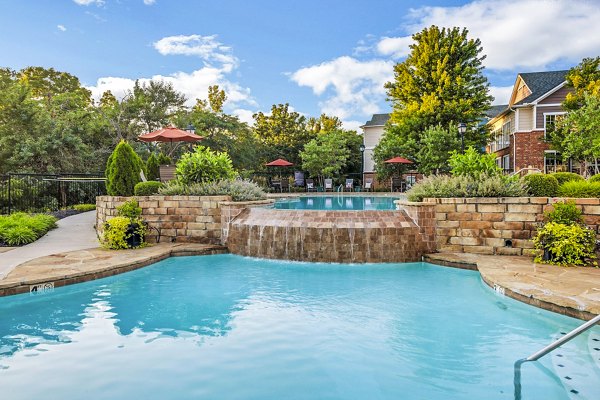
(552, 346)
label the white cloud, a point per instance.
(501, 94)
(353, 125)
(244, 115)
(526, 34)
(397, 47)
(205, 47)
(61, 28)
(88, 2)
(149, 2)
(355, 87)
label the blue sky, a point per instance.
(328, 56)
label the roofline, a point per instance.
(513, 92)
(549, 92)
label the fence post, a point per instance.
(9, 194)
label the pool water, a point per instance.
(228, 327)
(337, 203)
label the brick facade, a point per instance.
(530, 147)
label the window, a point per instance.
(552, 162)
(550, 121)
(506, 163)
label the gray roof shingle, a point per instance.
(378, 119)
(494, 111)
(541, 83)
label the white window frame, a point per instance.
(549, 114)
(556, 153)
(506, 162)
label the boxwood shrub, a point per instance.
(594, 178)
(147, 188)
(563, 177)
(541, 185)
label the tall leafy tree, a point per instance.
(283, 133)
(326, 155)
(437, 144)
(216, 98)
(584, 78)
(441, 82)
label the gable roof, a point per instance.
(541, 83)
(378, 120)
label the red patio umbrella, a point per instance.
(397, 160)
(170, 134)
(280, 162)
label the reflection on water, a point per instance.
(231, 327)
(337, 203)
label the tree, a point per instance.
(437, 144)
(584, 78)
(326, 155)
(440, 83)
(324, 123)
(153, 167)
(122, 170)
(216, 98)
(577, 134)
(155, 103)
(283, 133)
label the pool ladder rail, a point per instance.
(551, 347)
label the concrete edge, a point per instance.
(14, 288)
(527, 299)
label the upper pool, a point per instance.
(228, 327)
(337, 203)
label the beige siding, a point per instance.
(540, 114)
(525, 119)
(556, 97)
(520, 91)
(372, 136)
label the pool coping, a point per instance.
(567, 291)
(564, 290)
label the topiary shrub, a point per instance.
(541, 185)
(204, 165)
(563, 177)
(579, 189)
(152, 168)
(594, 178)
(123, 170)
(147, 188)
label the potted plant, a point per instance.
(127, 230)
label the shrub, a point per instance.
(580, 189)
(565, 244)
(541, 185)
(20, 228)
(565, 213)
(594, 178)
(473, 164)
(115, 233)
(153, 168)
(563, 177)
(84, 207)
(204, 165)
(239, 190)
(466, 186)
(123, 170)
(147, 188)
(130, 209)
(164, 159)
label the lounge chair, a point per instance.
(349, 185)
(275, 184)
(368, 184)
(299, 179)
(284, 185)
(310, 185)
(167, 173)
(329, 184)
(397, 185)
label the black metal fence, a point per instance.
(46, 192)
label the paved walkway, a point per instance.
(73, 233)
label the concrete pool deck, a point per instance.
(570, 291)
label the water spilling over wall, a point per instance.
(333, 236)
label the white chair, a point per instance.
(328, 184)
(368, 184)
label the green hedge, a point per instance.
(541, 185)
(84, 207)
(20, 228)
(147, 188)
(594, 178)
(579, 189)
(563, 177)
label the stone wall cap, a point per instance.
(413, 203)
(242, 203)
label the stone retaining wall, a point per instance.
(502, 226)
(195, 219)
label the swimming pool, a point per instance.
(230, 327)
(337, 203)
